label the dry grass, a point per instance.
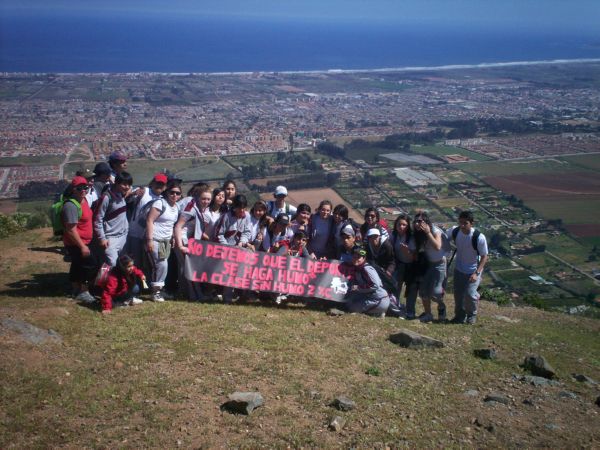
(155, 375)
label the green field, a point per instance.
(589, 162)
(503, 168)
(572, 211)
(442, 150)
(40, 160)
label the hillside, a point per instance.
(155, 375)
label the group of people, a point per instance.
(121, 239)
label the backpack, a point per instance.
(143, 215)
(58, 227)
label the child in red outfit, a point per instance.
(121, 284)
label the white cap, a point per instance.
(280, 190)
(373, 232)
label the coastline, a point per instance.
(327, 71)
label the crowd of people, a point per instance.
(121, 239)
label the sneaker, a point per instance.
(410, 317)
(157, 297)
(426, 318)
(85, 297)
(471, 319)
(442, 314)
(280, 298)
(459, 320)
(136, 301)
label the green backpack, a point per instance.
(56, 209)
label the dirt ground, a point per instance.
(551, 185)
(314, 196)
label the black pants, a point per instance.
(83, 270)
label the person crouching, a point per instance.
(366, 294)
(122, 284)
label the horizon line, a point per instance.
(326, 71)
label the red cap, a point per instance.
(78, 181)
(160, 178)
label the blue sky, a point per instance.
(548, 14)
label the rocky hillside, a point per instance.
(161, 375)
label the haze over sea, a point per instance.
(85, 43)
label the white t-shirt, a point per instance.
(466, 256)
(163, 225)
(432, 254)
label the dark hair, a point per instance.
(341, 210)
(215, 192)
(229, 181)
(264, 220)
(303, 207)
(197, 189)
(421, 237)
(239, 201)
(325, 202)
(372, 210)
(124, 178)
(467, 215)
(175, 182)
(122, 262)
(405, 217)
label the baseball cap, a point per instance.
(373, 232)
(78, 181)
(283, 219)
(359, 250)
(280, 190)
(102, 168)
(117, 155)
(348, 231)
(160, 178)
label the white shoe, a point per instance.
(136, 301)
(280, 298)
(85, 297)
(157, 297)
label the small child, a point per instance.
(122, 285)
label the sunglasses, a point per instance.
(174, 192)
(82, 188)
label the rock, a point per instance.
(567, 394)
(528, 402)
(343, 403)
(538, 365)
(30, 333)
(537, 381)
(314, 395)
(496, 397)
(410, 339)
(485, 353)
(583, 379)
(334, 312)
(551, 426)
(506, 319)
(243, 402)
(337, 423)
(471, 393)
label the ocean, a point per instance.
(181, 45)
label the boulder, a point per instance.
(410, 339)
(538, 365)
(537, 381)
(485, 353)
(243, 402)
(583, 379)
(343, 403)
(497, 398)
(30, 333)
(337, 423)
